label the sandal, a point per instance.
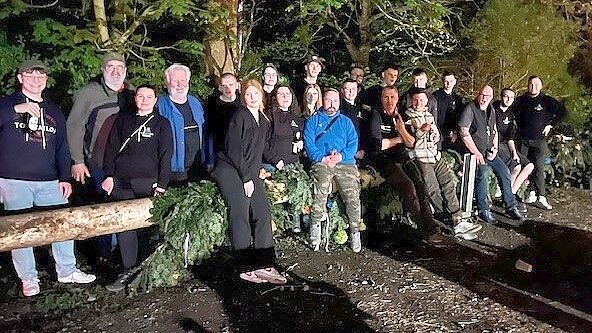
(270, 275)
(251, 277)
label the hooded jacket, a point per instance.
(33, 148)
(321, 137)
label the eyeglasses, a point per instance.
(285, 94)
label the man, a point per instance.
(348, 106)
(536, 114)
(220, 109)
(270, 79)
(35, 168)
(419, 80)
(312, 68)
(479, 134)
(87, 125)
(192, 152)
(357, 74)
(438, 177)
(390, 74)
(519, 165)
(449, 105)
(388, 139)
(331, 142)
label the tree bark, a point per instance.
(46, 227)
(101, 20)
(221, 50)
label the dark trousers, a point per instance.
(128, 240)
(406, 178)
(253, 241)
(536, 151)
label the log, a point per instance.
(46, 227)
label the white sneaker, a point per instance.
(466, 227)
(498, 192)
(532, 198)
(77, 276)
(31, 287)
(466, 236)
(544, 203)
(356, 242)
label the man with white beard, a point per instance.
(87, 125)
(192, 152)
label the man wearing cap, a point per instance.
(331, 143)
(35, 168)
(390, 74)
(312, 68)
(87, 127)
(192, 151)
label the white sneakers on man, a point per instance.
(31, 287)
(542, 201)
(77, 276)
(466, 230)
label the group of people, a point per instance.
(122, 143)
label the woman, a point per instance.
(137, 164)
(237, 174)
(312, 100)
(285, 138)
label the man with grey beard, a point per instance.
(87, 125)
(192, 152)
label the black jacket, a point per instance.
(286, 127)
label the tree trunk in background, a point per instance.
(101, 20)
(46, 227)
(221, 47)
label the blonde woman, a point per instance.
(237, 174)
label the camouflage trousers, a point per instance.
(347, 178)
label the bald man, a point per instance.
(479, 134)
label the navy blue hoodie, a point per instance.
(29, 150)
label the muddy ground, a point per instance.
(394, 285)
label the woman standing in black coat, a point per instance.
(237, 174)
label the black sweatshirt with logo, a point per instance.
(286, 127)
(147, 153)
(32, 148)
(534, 113)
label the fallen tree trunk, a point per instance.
(46, 227)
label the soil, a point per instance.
(395, 284)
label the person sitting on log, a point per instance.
(35, 168)
(331, 143)
(137, 164)
(437, 175)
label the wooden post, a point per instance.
(46, 227)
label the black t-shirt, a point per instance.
(505, 122)
(481, 125)
(192, 142)
(382, 126)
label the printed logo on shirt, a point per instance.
(293, 123)
(360, 114)
(386, 128)
(34, 127)
(506, 121)
(538, 108)
(147, 133)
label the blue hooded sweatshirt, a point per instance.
(167, 109)
(340, 137)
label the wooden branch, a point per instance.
(46, 227)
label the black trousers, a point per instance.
(250, 218)
(536, 151)
(406, 178)
(128, 240)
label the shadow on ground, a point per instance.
(557, 291)
(299, 306)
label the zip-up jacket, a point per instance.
(33, 148)
(167, 109)
(93, 104)
(340, 136)
(147, 153)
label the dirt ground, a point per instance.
(394, 285)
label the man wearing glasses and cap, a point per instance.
(35, 168)
(312, 68)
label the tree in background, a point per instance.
(513, 39)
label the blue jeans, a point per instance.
(502, 173)
(22, 194)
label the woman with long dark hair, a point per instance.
(237, 174)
